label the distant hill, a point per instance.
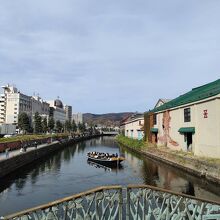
(110, 119)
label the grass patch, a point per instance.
(30, 137)
(130, 142)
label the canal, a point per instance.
(67, 172)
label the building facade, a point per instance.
(78, 118)
(13, 102)
(68, 110)
(191, 122)
(2, 108)
(40, 106)
(132, 127)
(57, 111)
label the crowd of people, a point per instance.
(99, 155)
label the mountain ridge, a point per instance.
(107, 119)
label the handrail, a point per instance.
(138, 201)
(66, 199)
(135, 186)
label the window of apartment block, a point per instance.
(155, 119)
(187, 115)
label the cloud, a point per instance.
(109, 56)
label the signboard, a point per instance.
(205, 113)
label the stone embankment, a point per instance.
(22, 159)
(205, 168)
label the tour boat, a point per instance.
(110, 161)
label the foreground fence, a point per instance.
(116, 202)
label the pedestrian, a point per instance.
(35, 144)
(7, 152)
(25, 147)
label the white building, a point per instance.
(15, 103)
(57, 111)
(191, 122)
(133, 126)
(40, 106)
(78, 118)
(2, 108)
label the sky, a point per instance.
(104, 56)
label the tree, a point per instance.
(74, 126)
(59, 126)
(37, 123)
(91, 130)
(82, 127)
(68, 126)
(24, 122)
(44, 125)
(51, 123)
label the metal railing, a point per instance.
(116, 202)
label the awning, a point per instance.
(154, 130)
(187, 130)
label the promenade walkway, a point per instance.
(17, 152)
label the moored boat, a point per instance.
(105, 159)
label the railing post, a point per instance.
(120, 212)
(96, 206)
(144, 206)
(127, 203)
(66, 209)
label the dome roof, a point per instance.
(58, 103)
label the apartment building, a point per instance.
(13, 102)
(68, 110)
(2, 108)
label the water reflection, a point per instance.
(109, 169)
(164, 176)
(67, 172)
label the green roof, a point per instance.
(154, 130)
(187, 130)
(196, 94)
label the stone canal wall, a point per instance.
(195, 166)
(20, 160)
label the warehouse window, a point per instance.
(155, 119)
(187, 115)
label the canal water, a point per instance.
(67, 172)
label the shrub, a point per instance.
(130, 142)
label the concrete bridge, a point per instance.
(110, 133)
